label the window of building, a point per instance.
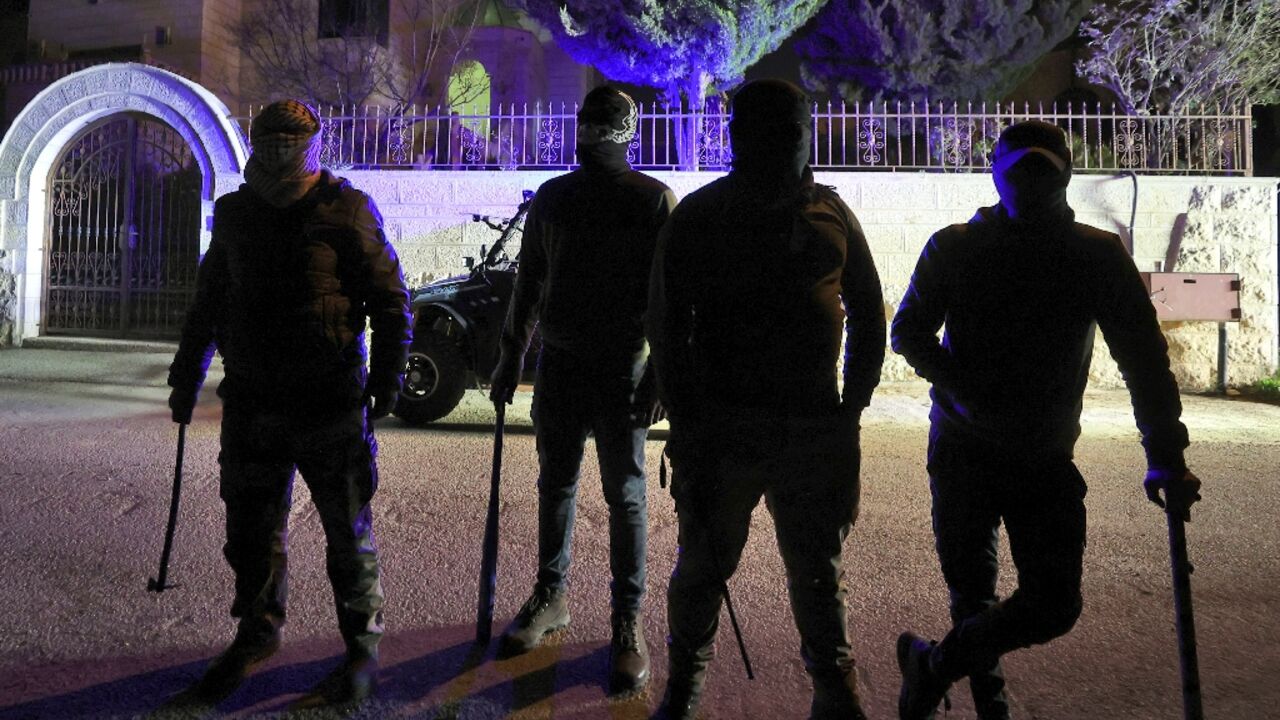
(355, 19)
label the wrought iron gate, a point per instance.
(124, 204)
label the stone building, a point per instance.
(195, 39)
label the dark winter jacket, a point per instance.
(751, 292)
(1020, 303)
(283, 294)
(584, 263)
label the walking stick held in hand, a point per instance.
(489, 556)
(160, 584)
(1178, 511)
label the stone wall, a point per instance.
(1188, 224)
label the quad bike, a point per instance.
(457, 324)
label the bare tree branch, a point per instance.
(1170, 55)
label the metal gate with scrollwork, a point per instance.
(124, 204)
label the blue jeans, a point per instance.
(572, 396)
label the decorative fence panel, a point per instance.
(873, 136)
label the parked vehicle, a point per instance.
(457, 324)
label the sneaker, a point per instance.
(544, 612)
(922, 690)
(628, 656)
(230, 668)
(351, 684)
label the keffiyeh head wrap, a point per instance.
(607, 115)
(285, 163)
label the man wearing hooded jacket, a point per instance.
(583, 278)
(297, 263)
(1020, 289)
(757, 277)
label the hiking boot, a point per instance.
(680, 701)
(545, 611)
(628, 656)
(226, 671)
(349, 685)
(835, 697)
(922, 690)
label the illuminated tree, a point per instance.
(1165, 56)
(686, 48)
(914, 50)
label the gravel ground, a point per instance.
(86, 467)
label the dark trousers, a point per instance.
(807, 471)
(335, 455)
(573, 396)
(1040, 500)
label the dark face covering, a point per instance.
(1031, 171)
(771, 131)
(1033, 186)
(606, 125)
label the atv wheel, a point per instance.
(433, 381)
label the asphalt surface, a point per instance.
(86, 461)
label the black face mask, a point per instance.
(606, 156)
(1032, 187)
(778, 150)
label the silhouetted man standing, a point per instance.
(297, 263)
(757, 276)
(1020, 288)
(583, 278)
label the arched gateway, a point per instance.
(107, 182)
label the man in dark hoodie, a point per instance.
(584, 277)
(297, 263)
(757, 278)
(1020, 288)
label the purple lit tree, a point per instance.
(1169, 55)
(685, 48)
(913, 50)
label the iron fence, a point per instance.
(846, 136)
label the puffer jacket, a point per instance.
(283, 295)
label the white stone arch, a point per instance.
(48, 124)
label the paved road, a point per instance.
(85, 469)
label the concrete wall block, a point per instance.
(1162, 197)
(1198, 258)
(1244, 230)
(1110, 223)
(398, 210)
(380, 186)
(1102, 195)
(899, 192)
(426, 188)
(1248, 199)
(968, 194)
(495, 188)
(434, 230)
(1203, 197)
(884, 239)
(896, 269)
